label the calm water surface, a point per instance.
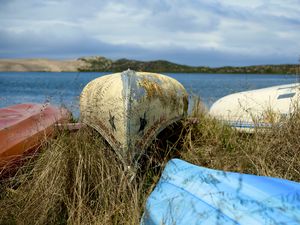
(65, 88)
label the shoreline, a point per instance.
(101, 64)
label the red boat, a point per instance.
(23, 127)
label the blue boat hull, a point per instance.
(189, 194)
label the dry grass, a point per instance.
(271, 152)
(77, 178)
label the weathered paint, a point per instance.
(129, 109)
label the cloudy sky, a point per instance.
(193, 32)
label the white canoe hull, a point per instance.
(129, 109)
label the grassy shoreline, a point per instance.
(77, 178)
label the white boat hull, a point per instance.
(257, 108)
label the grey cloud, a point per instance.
(190, 32)
(85, 46)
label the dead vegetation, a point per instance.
(77, 178)
(274, 151)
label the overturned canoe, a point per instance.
(260, 108)
(130, 108)
(189, 194)
(24, 126)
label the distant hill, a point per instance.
(40, 65)
(102, 64)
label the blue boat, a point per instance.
(189, 194)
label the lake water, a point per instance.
(65, 88)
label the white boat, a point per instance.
(257, 108)
(130, 108)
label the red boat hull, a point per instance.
(24, 126)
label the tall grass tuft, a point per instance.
(75, 179)
(274, 151)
